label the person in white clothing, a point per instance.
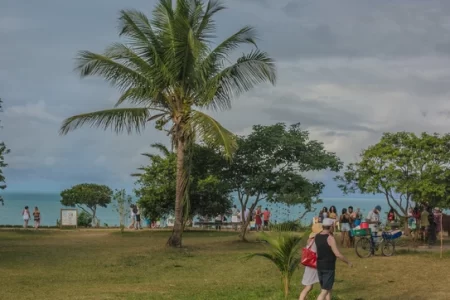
(25, 216)
(310, 276)
(132, 216)
(373, 218)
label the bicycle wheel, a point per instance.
(363, 248)
(387, 248)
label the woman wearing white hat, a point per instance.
(310, 276)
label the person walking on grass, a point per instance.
(37, 217)
(25, 216)
(327, 252)
(132, 217)
(310, 276)
(137, 214)
(266, 215)
(258, 219)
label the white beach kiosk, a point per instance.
(69, 217)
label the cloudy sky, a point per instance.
(348, 71)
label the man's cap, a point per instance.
(378, 208)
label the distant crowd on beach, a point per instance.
(424, 221)
(345, 222)
(26, 216)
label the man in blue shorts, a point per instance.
(327, 252)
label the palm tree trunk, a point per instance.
(175, 239)
(286, 286)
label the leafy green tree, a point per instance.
(122, 202)
(3, 150)
(170, 70)
(209, 195)
(402, 166)
(87, 196)
(284, 253)
(269, 163)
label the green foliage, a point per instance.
(288, 226)
(269, 164)
(156, 185)
(84, 219)
(284, 253)
(3, 151)
(87, 195)
(121, 203)
(403, 166)
(171, 69)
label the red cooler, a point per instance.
(364, 225)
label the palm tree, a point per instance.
(170, 71)
(284, 252)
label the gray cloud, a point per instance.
(315, 113)
(348, 70)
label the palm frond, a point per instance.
(249, 71)
(246, 35)
(118, 119)
(116, 73)
(207, 26)
(149, 155)
(144, 40)
(208, 129)
(162, 148)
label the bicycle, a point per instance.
(366, 247)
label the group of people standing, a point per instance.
(259, 216)
(26, 215)
(425, 222)
(348, 219)
(135, 215)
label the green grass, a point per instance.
(95, 264)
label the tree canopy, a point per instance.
(87, 195)
(403, 167)
(208, 193)
(270, 164)
(3, 150)
(170, 70)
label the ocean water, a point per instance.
(49, 206)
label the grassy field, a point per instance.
(94, 264)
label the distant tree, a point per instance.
(87, 195)
(121, 204)
(208, 194)
(403, 167)
(3, 150)
(170, 70)
(269, 165)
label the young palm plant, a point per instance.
(284, 252)
(169, 70)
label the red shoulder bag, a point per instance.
(309, 257)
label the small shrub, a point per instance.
(289, 226)
(284, 254)
(84, 219)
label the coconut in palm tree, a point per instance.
(170, 70)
